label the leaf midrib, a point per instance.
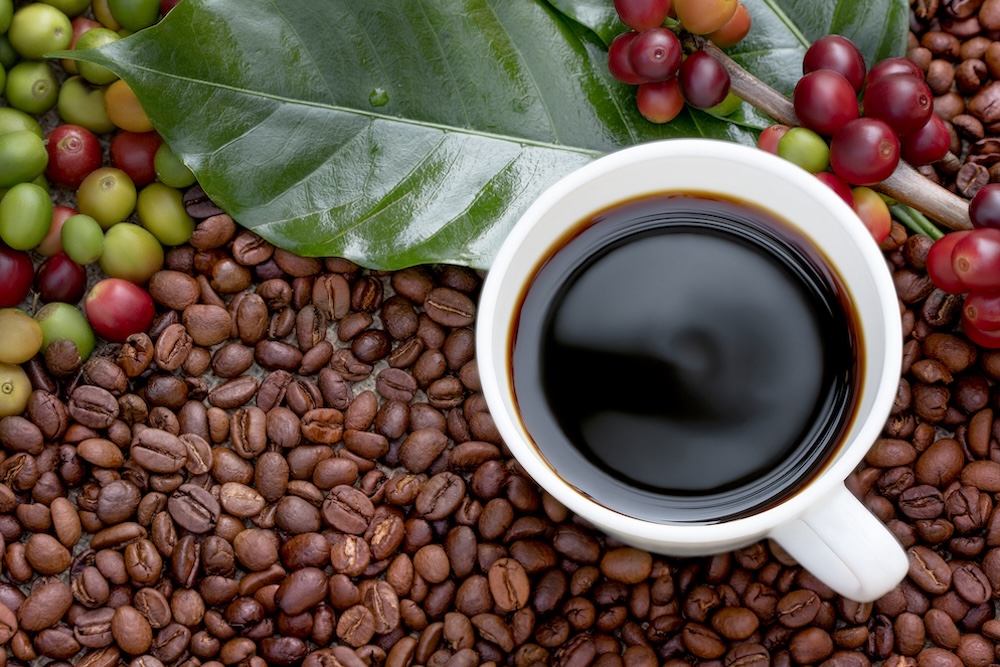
(792, 27)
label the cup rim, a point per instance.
(497, 394)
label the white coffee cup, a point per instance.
(822, 525)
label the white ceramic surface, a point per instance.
(823, 526)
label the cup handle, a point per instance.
(845, 546)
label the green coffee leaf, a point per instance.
(392, 132)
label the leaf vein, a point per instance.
(543, 101)
(447, 64)
(305, 49)
(792, 28)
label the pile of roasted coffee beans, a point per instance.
(295, 466)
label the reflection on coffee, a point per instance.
(686, 358)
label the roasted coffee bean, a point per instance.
(240, 500)
(131, 630)
(207, 324)
(396, 384)
(929, 570)
(273, 355)
(193, 508)
(421, 448)
(332, 296)
(174, 289)
(627, 565)
(323, 425)
(232, 360)
(356, 626)
(301, 590)
(449, 307)
(371, 345)
(172, 347)
(49, 414)
(509, 584)
(233, 393)
(93, 628)
(445, 393)
(117, 501)
(100, 452)
(158, 451)
(93, 406)
(348, 509)
(47, 603)
(440, 496)
(921, 502)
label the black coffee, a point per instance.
(684, 358)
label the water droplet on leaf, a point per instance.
(378, 97)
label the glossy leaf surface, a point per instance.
(390, 132)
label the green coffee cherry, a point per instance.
(161, 211)
(726, 107)
(81, 104)
(135, 14)
(93, 38)
(22, 337)
(170, 170)
(32, 87)
(131, 253)
(22, 157)
(62, 321)
(805, 148)
(69, 7)
(107, 195)
(25, 216)
(15, 389)
(6, 14)
(37, 29)
(8, 56)
(82, 239)
(12, 120)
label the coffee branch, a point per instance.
(906, 185)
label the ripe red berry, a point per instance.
(659, 101)
(984, 210)
(770, 136)
(865, 151)
(824, 101)
(117, 308)
(939, 266)
(893, 66)
(704, 80)
(982, 310)
(74, 152)
(618, 62)
(642, 14)
(16, 274)
(976, 259)
(59, 278)
(133, 153)
(655, 54)
(838, 185)
(837, 53)
(903, 101)
(928, 144)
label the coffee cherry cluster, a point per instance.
(651, 57)
(860, 144)
(968, 262)
(895, 119)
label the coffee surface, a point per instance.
(684, 358)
